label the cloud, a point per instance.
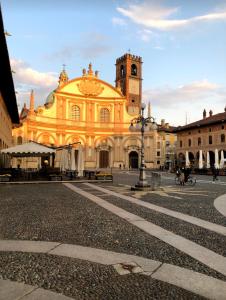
(27, 78)
(64, 54)
(172, 103)
(94, 45)
(118, 21)
(154, 15)
(185, 94)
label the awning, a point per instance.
(30, 149)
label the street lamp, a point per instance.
(142, 124)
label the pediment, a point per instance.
(90, 87)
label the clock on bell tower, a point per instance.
(129, 78)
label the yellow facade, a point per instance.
(90, 111)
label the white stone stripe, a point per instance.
(200, 253)
(193, 220)
(198, 283)
(27, 246)
(10, 290)
(104, 257)
(220, 204)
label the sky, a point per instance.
(182, 44)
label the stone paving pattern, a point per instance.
(84, 280)
(54, 213)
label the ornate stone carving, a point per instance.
(89, 87)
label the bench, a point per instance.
(103, 176)
(55, 177)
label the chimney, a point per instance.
(204, 114)
(210, 113)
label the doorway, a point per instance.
(104, 159)
(133, 160)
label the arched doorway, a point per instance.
(133, 160)
(212, 158)
(104, 159)
(191, 159)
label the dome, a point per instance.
(50, 98)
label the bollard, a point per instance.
(155, 181)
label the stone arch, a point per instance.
(191, 157)
(130, 139)
(104, 140)
(122, 71)
(133, 70)
(42, 138)
(133, 159)
(212, 158)
(74, 138)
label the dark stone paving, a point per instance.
(204, 237)
(54, 213)
(208, 239)
(200, 206)
(84, 280)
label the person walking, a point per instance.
(182, 177)
(215, 173)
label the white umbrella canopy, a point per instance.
(30, 149)
(73, 167)
(216, 159)
(66, 159)
(200, 160)
(222, 159)
(80, 162)
(208, 160)
(187, 162)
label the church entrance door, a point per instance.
(104, 159)
(133, 160)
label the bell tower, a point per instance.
(129, 79)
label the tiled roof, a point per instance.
(214, 119)
(166, 129)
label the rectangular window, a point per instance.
(210, 140)
(158, 153)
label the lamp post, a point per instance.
(143, 124)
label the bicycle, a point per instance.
(177, 179)
(190, 180)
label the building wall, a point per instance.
(5, 132)
(202, 133)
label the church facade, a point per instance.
(94, 117)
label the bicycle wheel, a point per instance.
(191, 181)
(177, 180)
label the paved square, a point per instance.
(70, 239)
